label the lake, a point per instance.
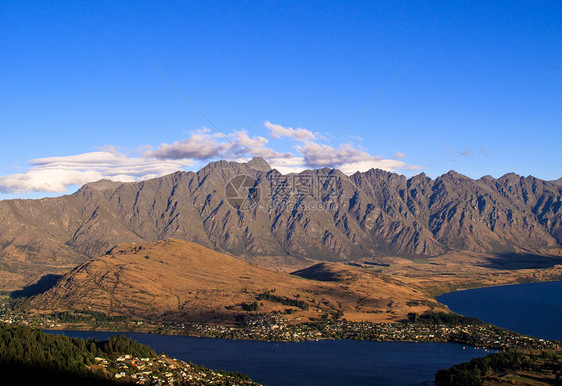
(532, 309)
(324, 362)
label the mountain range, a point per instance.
(254, 212)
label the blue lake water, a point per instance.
(325, 362)
(532, 309)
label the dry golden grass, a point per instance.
(176, 280)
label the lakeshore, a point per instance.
(438, 327)
(427, 327)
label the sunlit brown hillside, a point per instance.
(176, 280)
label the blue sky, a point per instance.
(82, 97)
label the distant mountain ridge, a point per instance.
(366, 214)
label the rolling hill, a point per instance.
(176, 280)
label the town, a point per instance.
(448, 328)
(478, 335)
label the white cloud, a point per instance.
(294, 164)
(278, 131)
(245, 145)
(389, 165)
(201, 146)
(318, 156)
(466, 153)
(399, 155)
(241, 147)
(348, 159)
(45, 180)
(57, 174)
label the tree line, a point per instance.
(86, 316)
(33, 355)
(472, 373)
(435, 318)
(283, 300)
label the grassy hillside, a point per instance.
(180, 281)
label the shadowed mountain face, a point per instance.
(319, 214)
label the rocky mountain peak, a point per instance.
(103, 184)
(419, 178)
(258, 163)
(453, 174)
(510, 177)
(487, 178)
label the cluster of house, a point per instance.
(162, 370)
(266, 328)
(478, 335)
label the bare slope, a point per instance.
(176, 280)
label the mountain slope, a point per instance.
(176, 280)
(318, 214)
